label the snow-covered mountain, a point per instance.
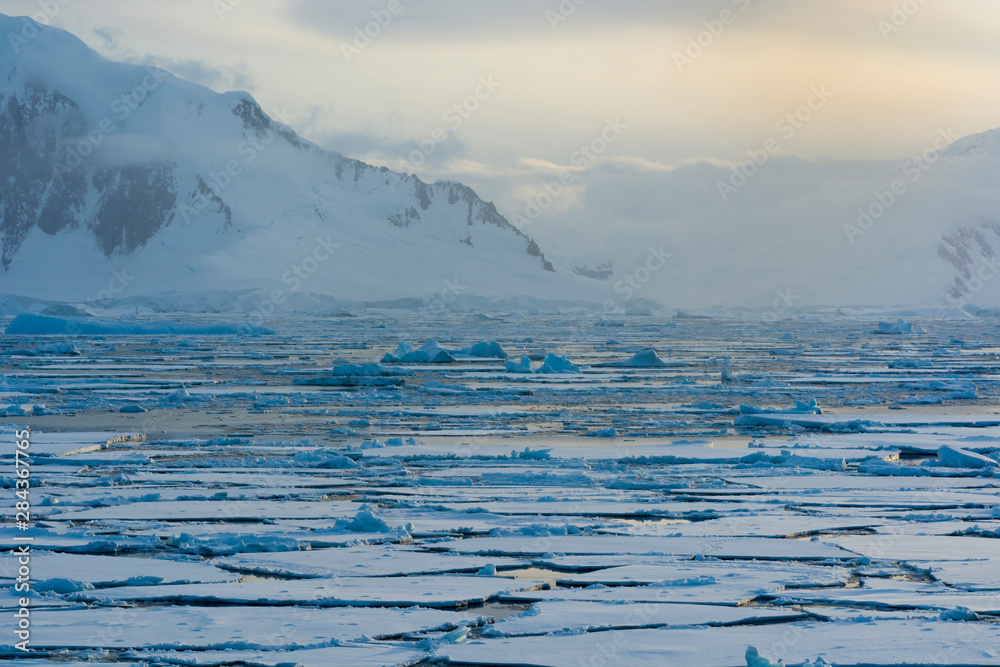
(118, 180)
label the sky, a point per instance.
(603, 128)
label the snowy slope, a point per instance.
(118, 180)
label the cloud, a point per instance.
(414, 155)
(463, 20)
(113, 44)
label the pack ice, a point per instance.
(518, 491)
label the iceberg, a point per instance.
(522, 366)
(28, 324)
(555, 363)
(645, 359)
(323, 458)
(485, 350)
(900, 327)
(954, 457)
(357, 375)
(429, 353)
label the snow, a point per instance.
(564, 616)
(227, 627)
(739, 547)
(438, 592)
(709, 573)
(214, 545)
(368, 561)
(876, 594)
(967, 575)
(383, 654)
(890, 643)
(112, 571)
(954, 457)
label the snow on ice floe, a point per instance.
(765, 576)
(810, 407)
(80, 541)
(37, 662)
(27, 324)
(10, 600)
(382, 654)
(876, 593)
(966, 575)
(214, 510)
(54, 349)
(777, 525)
(358, 375)
(872, 422)
(694, 591)
(111, 571)
(237, 627)
(50, 443)
(740, 548)
(801, 644)
(367, 561)
(438, 592)
(954, 457)
(559, 616)
(640, 452)
(918, 547)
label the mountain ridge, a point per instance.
(122, 157)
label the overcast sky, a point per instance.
(689, 87)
